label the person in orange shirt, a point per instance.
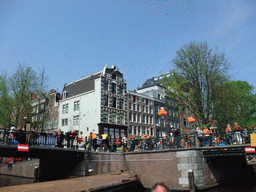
(229, 134)
(206, 133)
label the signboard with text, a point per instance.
(253, 140)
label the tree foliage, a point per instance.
(15, 94)
(235, 102)
(197, 73)
(6, 102)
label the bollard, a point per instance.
(36, 170)
(191, 180)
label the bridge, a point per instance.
(211, 165)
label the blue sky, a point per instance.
(75, 38)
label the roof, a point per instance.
(81, 86)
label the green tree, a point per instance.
(225, 105)
(198, 71)
(6, 102)
(235, 101)
(22, 83)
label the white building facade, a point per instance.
(96, 103)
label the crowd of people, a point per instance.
(106, 142)
(229, 136)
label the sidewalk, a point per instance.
(90, 183)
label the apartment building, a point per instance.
(96, 103)
(45, 111)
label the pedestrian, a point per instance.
(72, 138)
(59, 139)
(186, 138)
(67, 138)
(124, 142)
(94, 141)
(237, 130)
(90, 142)
(200, 136)
(206, 134)
(176, 135)
(245, 135)
(229, 134)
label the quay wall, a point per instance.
(168, 166)
(20, 169)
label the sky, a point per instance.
(76, 38)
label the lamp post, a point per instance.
(162, 114)
(192, 120)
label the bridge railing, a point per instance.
(29, 137)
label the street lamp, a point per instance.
(162, 113)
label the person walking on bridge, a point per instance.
(229, 134)
(238, 130)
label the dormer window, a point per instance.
(65, 94)
(113, 76)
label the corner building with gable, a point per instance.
(96, 103)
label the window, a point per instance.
(143, 108)
(41, 116)
(50, 123)
(134, 130)
(134, 107)
(105, 100)
(66, 108)
(78, 105)
(146, 102)
(130, 130)
(121, 119)
(134, 117)
(46, 124)
(130, 117)
(74, 120)
(117, 133)
(130, 106)
(113, 88)
(111, 132)
(138, 99)
(113, 104)
(66, 122)
(121, 104)
(113, 76)
(75, 106)
(113, 117)
(138, 118)
(151, 110)
(121, 89)
(55, 123)
(139, 129)
(138, 107)
(105, 116)
(105, 130)
(147, 119)
(151, 120)
(143, 130)
(185, 122)
(63, 122)
(144, 118)
(105, 86)
(147, 110)
(143, 100)
(122, 132)
(134, 99)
